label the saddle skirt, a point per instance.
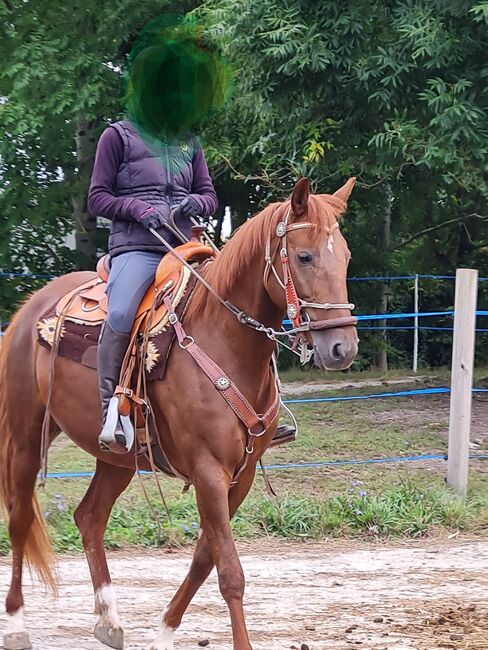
(74, 323)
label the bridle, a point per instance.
(295, 305)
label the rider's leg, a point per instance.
(130, 276)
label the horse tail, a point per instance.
(38, 550)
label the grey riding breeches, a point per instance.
(130, 277)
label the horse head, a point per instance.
(314, 260)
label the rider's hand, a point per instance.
(188, 207)
(154, 218)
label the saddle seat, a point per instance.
(87, 304)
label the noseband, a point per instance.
(294, 304)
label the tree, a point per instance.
(392, 92)
(60, 81)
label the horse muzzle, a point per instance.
(335, 349)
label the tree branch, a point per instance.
(407, 241)
(264, 179)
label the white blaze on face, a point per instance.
(330, 243)
(106, 606)
(164, 640)
(15, 622)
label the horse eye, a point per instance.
(305, 257)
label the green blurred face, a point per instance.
(175, 85)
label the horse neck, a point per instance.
(251, 350)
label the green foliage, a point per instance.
(394, 93)
(405, 510)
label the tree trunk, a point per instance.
(85, 224)
(381, 355)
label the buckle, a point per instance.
(189, 340)
(173, 318)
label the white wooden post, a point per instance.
(416, 324)
(462, 378)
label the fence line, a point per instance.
(317, 464)
(441, 390)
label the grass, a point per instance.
(407, 499)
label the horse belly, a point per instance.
(75, 405)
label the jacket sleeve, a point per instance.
(102, 199)
(202, 189)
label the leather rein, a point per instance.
(295, 304)
(256, 424)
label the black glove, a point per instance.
(154, 218)
(188, 207)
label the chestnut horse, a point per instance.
(203, 438)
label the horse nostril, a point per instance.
(337, 351)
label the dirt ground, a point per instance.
(420, 595)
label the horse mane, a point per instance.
(249, 240)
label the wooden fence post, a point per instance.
(462, 378)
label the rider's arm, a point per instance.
(102, 200)
(202, 189)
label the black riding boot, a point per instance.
(112, 347)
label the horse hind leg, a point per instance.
(91, 517)
(19, 458)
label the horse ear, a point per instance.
(344, 192)
(299, 197)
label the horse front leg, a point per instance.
(91, 517)
(212, 499)
(201, 567)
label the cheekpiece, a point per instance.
(281, 229)
(222, 383)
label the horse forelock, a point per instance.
(249, 242)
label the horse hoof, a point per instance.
(111, 636)
(16, 641)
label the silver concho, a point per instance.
(292, 311)
(281, 229)
(223, 383)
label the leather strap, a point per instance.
(130, 394)
(256, 424)
(293, 308)
(331, 323)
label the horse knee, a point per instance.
(200, 567)
(231, 582)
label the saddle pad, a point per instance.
(78, 341)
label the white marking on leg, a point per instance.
(164, 640)
(200, 532)
(15, 622)
(106, 606)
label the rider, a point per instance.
(145, 166)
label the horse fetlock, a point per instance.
(108, 630)
(164, 640)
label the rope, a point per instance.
(402, 393)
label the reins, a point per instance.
(294, 304)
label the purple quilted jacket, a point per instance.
(132, 174)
